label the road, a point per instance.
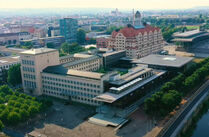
(175, 124)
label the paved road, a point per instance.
(172, 128)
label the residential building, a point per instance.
(68, 29)
(137, 40)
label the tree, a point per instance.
(168, 86)
(4, 75)
(14, 75)
(50, 45)
(4, 114)
(81, 36)
(5, 89)
(92, 41)
(32, 110)
(13, 118)
(24, 114)
(170, 100)
(65, 48)
(1, 125)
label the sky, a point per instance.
(121, 4)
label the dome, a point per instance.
(138, 14)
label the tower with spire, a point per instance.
(137, 23)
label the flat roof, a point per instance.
(112, 53)
(137, 71)
(80, 61)
(164, 60)
(10, 59)
(111, 97)
(38, 51)
(61, 70)
(187, 33)
(79, 55)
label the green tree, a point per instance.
(32, 110)
(81, 36)
(170, 100)
(4, 114)
(13, 118)
(14, 75)
(24, 114)
(1, 125)
(5, 89)
(50, 45)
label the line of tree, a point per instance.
(67, 48)
(170, 95)
(18, 107)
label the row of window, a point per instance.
(45, 80)
(29, 84)
(29, 76)
(28, 69)
(82, 99)
(7, 66)
(27, 62)
(72, 88)
(69, 93)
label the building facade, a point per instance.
(68, 29)
(138, 41)
(32, 63)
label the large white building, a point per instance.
(75, 78)
(138, 40)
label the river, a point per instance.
(202, 129)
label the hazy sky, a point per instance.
(125, 4)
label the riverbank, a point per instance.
(191, 125)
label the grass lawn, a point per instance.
(192, 27)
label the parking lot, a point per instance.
(68, 121)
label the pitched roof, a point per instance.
(132, 32)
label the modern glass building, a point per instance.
(68, 29)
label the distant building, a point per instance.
(9, 38)
(56, 40)
(190, 38)
(68, 29)
(6, 63)
(102, 41)
(137, 40)
(53, 31)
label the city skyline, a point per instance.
(138, 4)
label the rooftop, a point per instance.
(111, 97)
(38, 51)
(133, 74)
(80, 61)
(187, 33)
(79, 55)
(132, 32)
(112, 53)
(164, 60)
(7, 60)
(61, 70)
